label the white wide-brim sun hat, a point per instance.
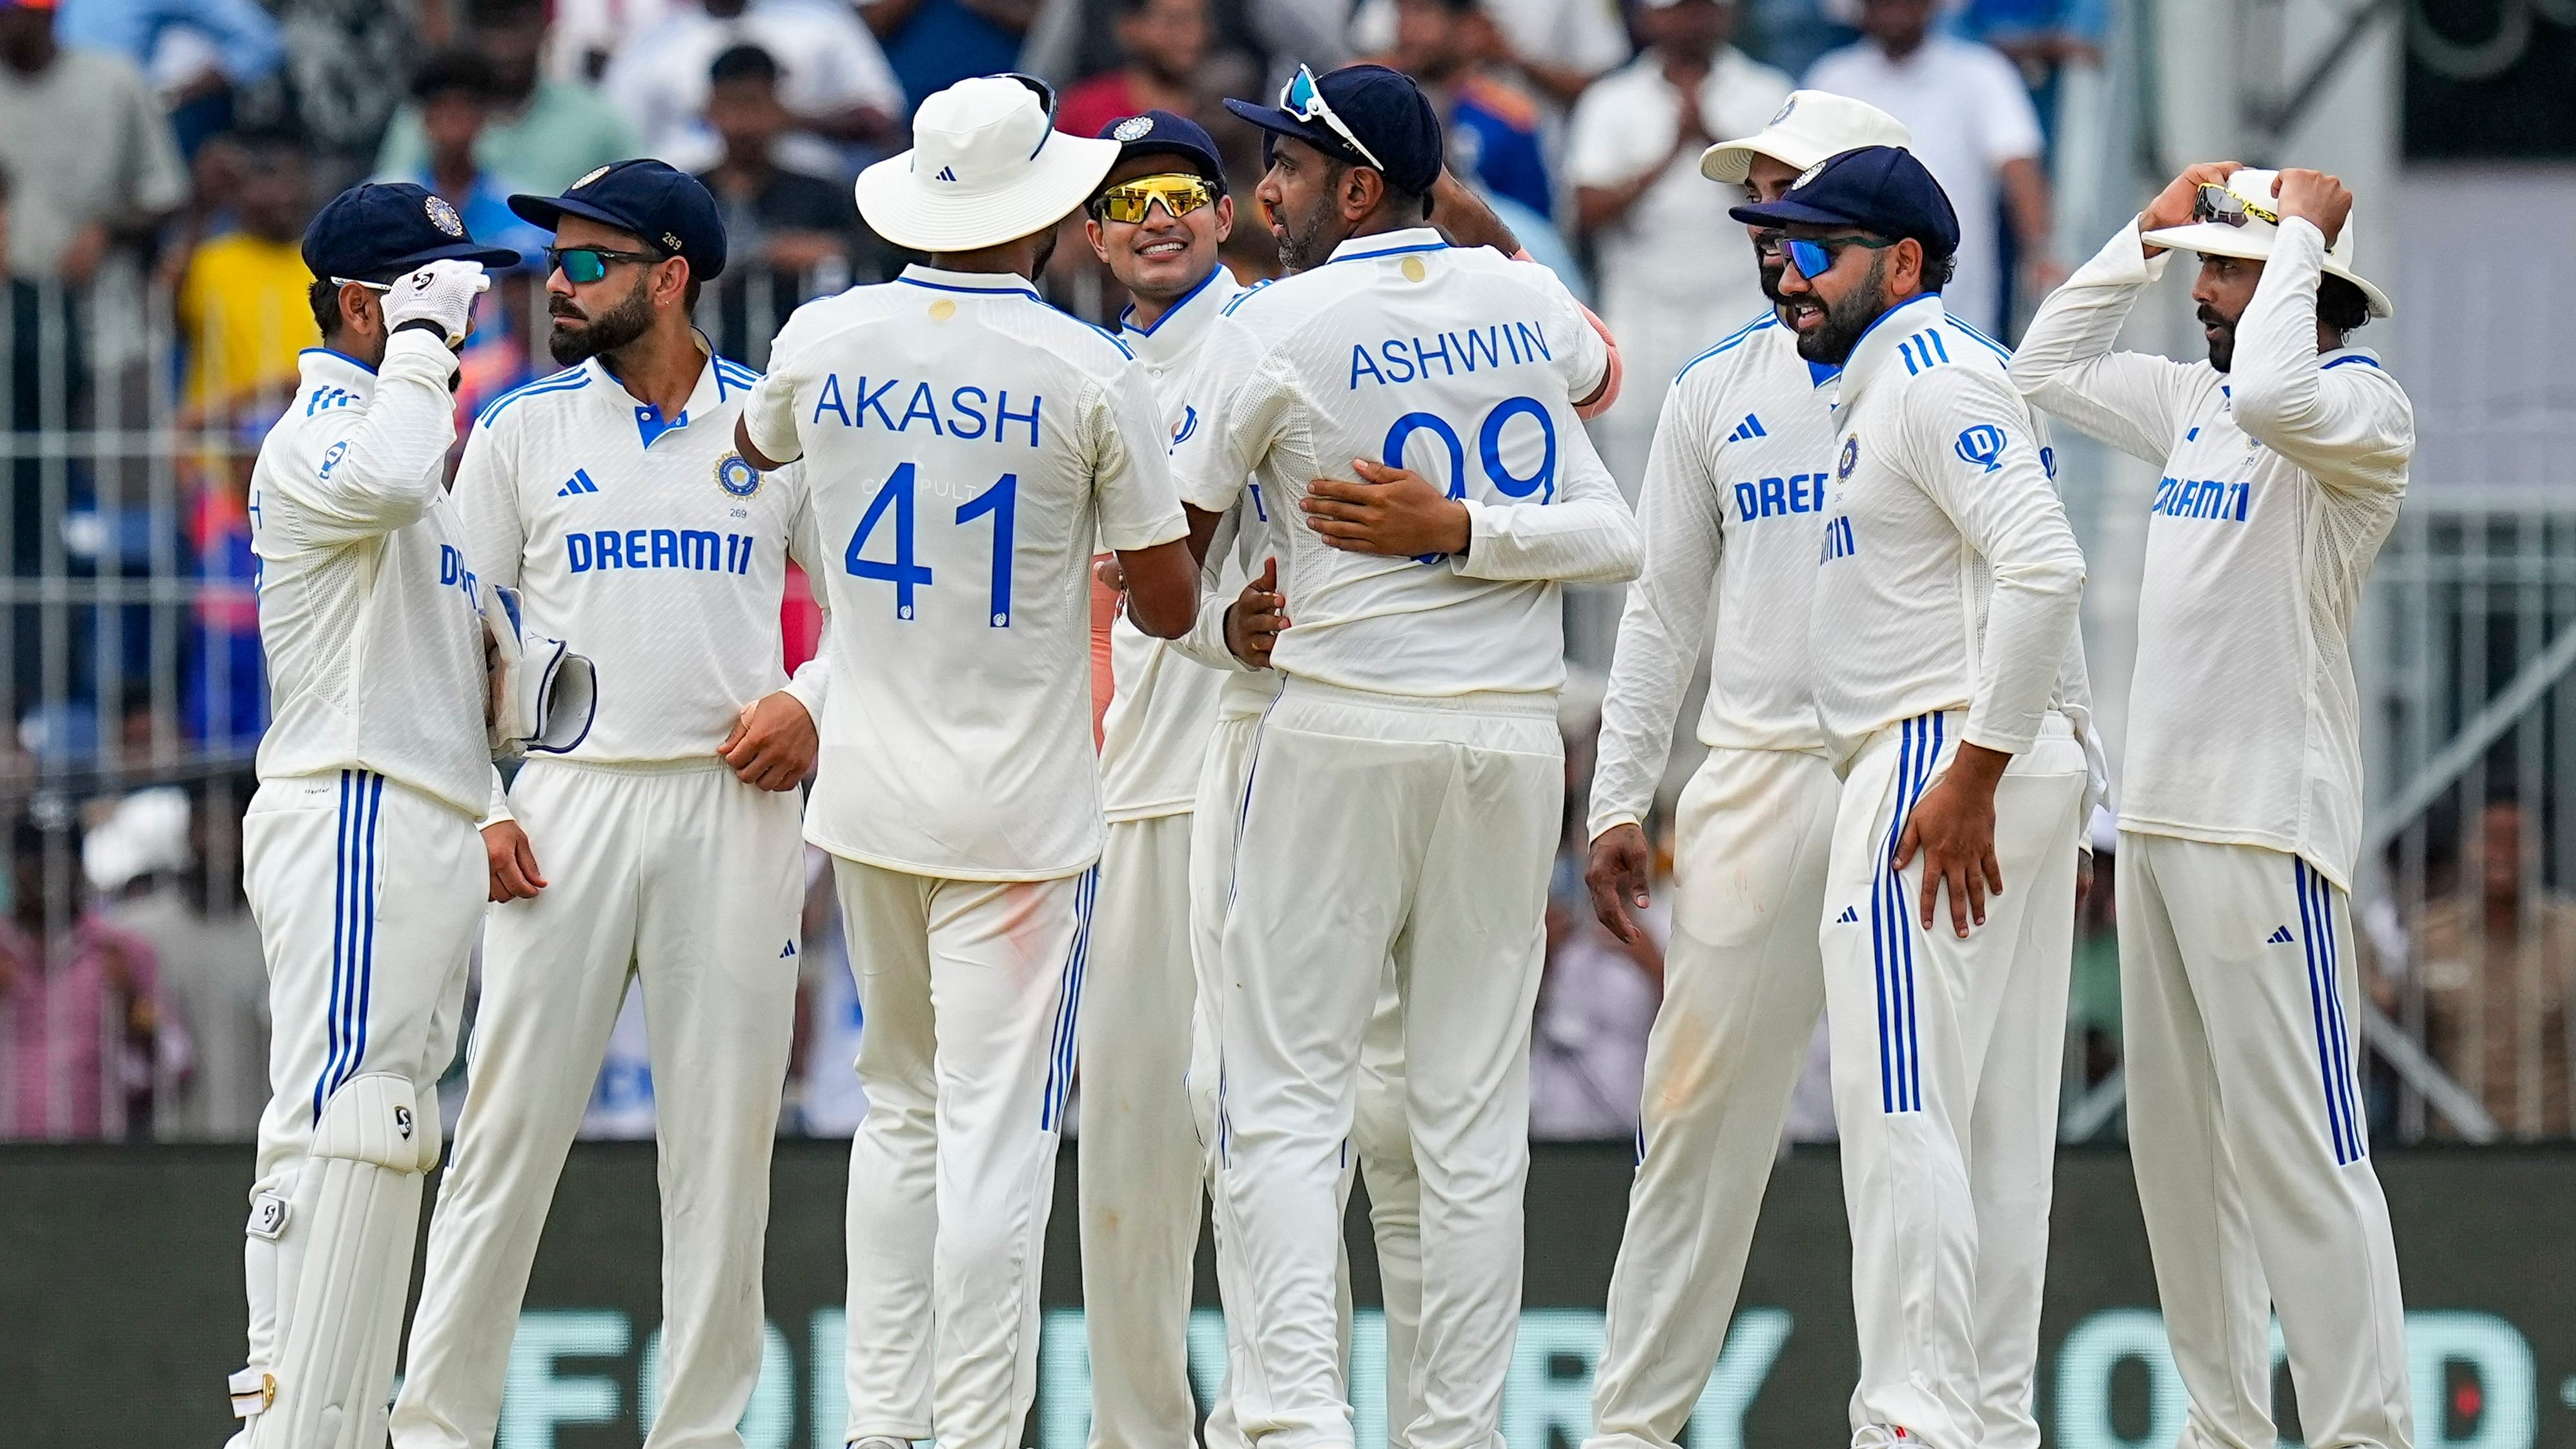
(2253, 241)
(1809, 127)
(986, 167)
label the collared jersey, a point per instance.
(1733, 510)
(1161, 703)
(1947, 577)
(1463, 366)
(964, 443)
(367, 604)
(647, 543)
(2281, 481)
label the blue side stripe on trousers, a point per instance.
(1068, 1011)
(353, 932)
(1900, 1067)
(2355, 1130)
(2316, 930)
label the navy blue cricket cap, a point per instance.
(646, 199)
(1167, 133)
(1879, 189)
(377, 231)
(1388, 117)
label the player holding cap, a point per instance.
(1157, 222)
(662, 848)
(358, 851)
(1733, 509)
(2285, 457)
(1406, 786)
(1944, 619)
(964, 444)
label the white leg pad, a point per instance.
(357, 1210)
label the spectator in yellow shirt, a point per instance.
(242, 301)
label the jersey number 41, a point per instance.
(1001, 501)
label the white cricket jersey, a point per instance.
(1733, 511)
(367, 606)
(2282, 479)
(1947, 577)
(1464, 366)
(646, 541)
(1162, 704)
(964, 443)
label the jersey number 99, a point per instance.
(1489, 451)
(1001, 501)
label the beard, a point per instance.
(2222, 348)
(590, 337)
(1303, 243)
(1845, 320)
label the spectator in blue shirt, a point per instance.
(242, 44)
(1491, 128)
(934, 44)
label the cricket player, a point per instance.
(1157, 223)
(359, 852)
(1944, 616)
(663, 848)
(1733, 509)
(2285, 456)
(964, 444)
(1404, 791)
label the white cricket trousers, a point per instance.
(2240, 1008)
(1380, 1138)
(1946, 1055)
(1142, 1165)
(1380, 829)
(367, 893)
(971, 991)
(687, 882)
(1743, 986)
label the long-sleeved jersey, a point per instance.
(1947, 577)
(1163, 703)
(964, 444)
(2282, 479)
(1461, 364)
(649, 543)
(1733, 509)
(368, 605)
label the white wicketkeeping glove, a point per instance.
(442, 292)
(543, 696)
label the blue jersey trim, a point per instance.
(2356, 357)
(1169, 312)
(972, 291)
(571, 379)
(344, 357)
(1390, 252)
(1255, 290)
(1111, 337)
(1820, 373)
(1730, 341)
(1991, 345)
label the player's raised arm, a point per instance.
(2349, 425)
(383, 470)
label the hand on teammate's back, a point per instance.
(2315, 195)
(773, 743)
(1953, 825)
(514, 862)
(1253, 621)
(1392, 511)
(1616, 876)
(442, 292)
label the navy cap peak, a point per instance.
(648, 200)
(1881, 189)
(376, 231)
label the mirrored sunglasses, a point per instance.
(1303, 99)
(1814, 256)
(1129, 201)
(582, 266)
(2218, 204)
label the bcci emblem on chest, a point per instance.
(737, 477)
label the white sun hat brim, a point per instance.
(928, 215)
(1810, 126)
(2253, 242)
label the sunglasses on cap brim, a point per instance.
(1303, 99)
(2215, 203)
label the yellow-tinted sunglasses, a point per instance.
(1180, 192)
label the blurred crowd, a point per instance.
(158, 162)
